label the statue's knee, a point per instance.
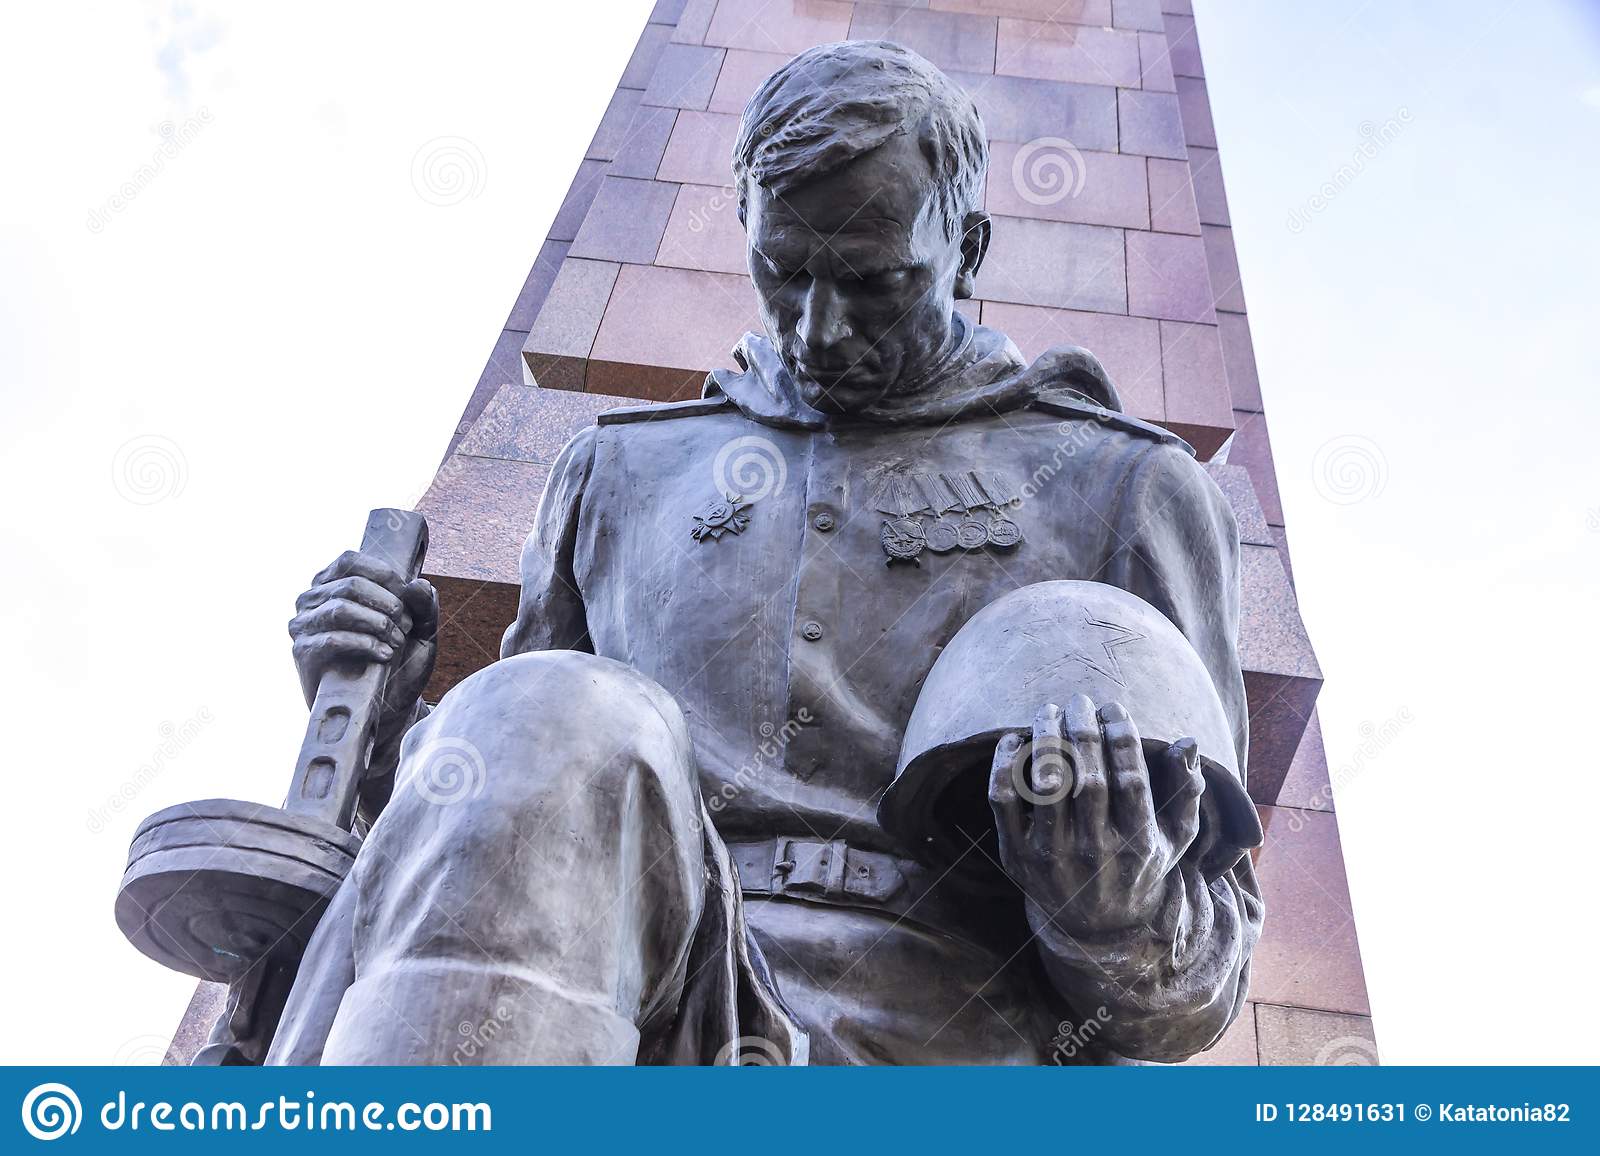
(548, 727)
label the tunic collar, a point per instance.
(984, 374)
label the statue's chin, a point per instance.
(841, 397)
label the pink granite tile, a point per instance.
(528, 424)
(685, 77)
(1070, 52)
(1051, 180)
(1051, 263)
(1148, 123)
(1192, 369)
(704, 232)
(1210, 197)
(537, 286)
(693, 22)
(1252, 449)
(580, 195)
(614, 124)
(1168, 278)
(1227, 288)
(667, 12)
(1017, 108)
(1129, 347)
(558, 345)
(1194, 108)
(646, 53)
(663, 329)
(626, 221)
(1308, 956)
(742, 73)
(479, 513)
(1235, 484)
(700, 149)
(948, 39)
(1236, 1048)
(1309, 783)
(1142, 15)
(778, 25)
(1155, 66)
(1177, 7)
(1239, 356)
(1172, 207)
(639, 152)
(1185, 45)
(504, 364)
(1097, 12)
(1306, 1038)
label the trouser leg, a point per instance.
(531, 890)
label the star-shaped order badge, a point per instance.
(721, 516)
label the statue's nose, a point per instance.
(822, 323)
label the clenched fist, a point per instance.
(360, 610)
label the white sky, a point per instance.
(290, 331)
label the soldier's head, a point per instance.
(860, 171)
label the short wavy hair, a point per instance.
(836, 102)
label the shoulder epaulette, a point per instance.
(694, 407)
(1073, 405)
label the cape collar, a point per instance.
(984, 373)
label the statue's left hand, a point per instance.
(1088, 830)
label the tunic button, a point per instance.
(823, 522)
(811, 631)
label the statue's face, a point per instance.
(857, 277)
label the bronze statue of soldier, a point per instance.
(651, 832)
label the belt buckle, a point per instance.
(808, 867)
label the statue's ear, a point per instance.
(974, 244)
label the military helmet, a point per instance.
(1042, 644)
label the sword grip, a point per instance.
(337, 748)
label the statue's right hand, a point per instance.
(360, 609)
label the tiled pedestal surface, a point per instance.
(640, 288)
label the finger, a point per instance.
(352, 589)
(423, 603)
(1009, 753)
(341, 646)
(347, 616)
(353, 563)
(1180, 814)
(1089, 808)
(1047, 770)
(1133, 809)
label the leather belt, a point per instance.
(837, 873)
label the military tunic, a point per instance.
(791, 578)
